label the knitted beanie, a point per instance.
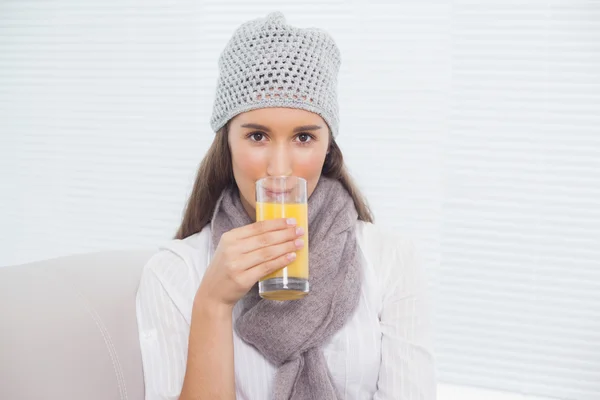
(268, 63)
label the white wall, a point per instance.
(471, 127)
(457, 392)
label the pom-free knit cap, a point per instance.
(268, 63)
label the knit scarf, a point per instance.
(291, 334)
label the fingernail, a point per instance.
(291, 256)
(291, 221)
(299, 231)
(299, 243)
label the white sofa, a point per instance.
(68, 331)
(69, 328)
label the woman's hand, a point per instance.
(246, 254)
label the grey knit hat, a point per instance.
(268, 63)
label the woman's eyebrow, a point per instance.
(256, 126)
(307, 128)
(297, 129)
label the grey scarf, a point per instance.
(290, 334)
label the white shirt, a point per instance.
(383, 352)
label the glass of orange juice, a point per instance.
(285, 197)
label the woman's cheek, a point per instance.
(310, 168)
(248, 168)
(252, 164)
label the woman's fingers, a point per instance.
(272, 252)
(270, 238)
(269, 253)
(253, 275)
(261, 227)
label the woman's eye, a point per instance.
(256, 136)
(304, 138)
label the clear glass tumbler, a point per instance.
(285, 197)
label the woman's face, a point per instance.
(276, 142)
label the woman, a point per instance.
(362, 332)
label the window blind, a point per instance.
(520, 259)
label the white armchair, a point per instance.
(69, 329)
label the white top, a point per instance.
(384, 351)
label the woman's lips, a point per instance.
(277, 192)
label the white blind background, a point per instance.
(520, 239)
(472, 127)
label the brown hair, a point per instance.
(216, 174)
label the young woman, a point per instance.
(363, 330)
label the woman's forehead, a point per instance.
(279, 117)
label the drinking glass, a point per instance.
(285, 197)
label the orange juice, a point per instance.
(299, 267)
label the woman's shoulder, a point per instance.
(179, 264)
(391, 255)
(383, 241)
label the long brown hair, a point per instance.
(216, 174)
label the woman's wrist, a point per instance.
(207, 307)
(209, 370)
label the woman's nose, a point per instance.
(280, 162)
